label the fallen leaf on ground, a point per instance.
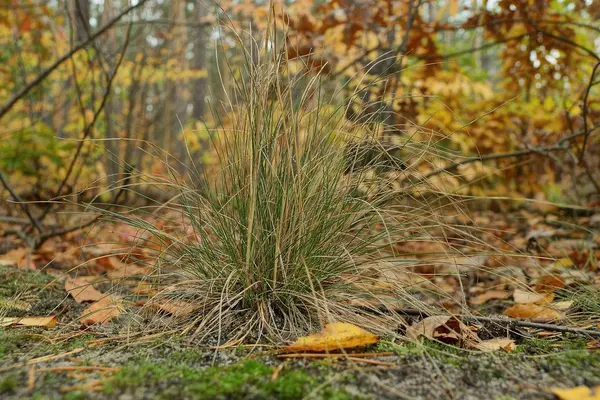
(20, 257)
(176, 308)
(532, 311)
(46, 322)
(505, 344)
(528, 297)
(101, 311)
(490, 295)
(81, 290)
(549, 283)
(444, 328)
(562, 263)
(426, 327)
(128, 270)
(335, 336)
(578, 393)
(563, 305)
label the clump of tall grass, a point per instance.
(288, 223)
(281, 230)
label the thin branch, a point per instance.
(45, 73)
(560, 146)
(589, 52)
(585, 110)
(87, 132)
(510, 322)
(512, 20)
(476, 49)
(23, 205)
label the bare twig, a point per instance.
(45, 73)
(585, 111)
(89, 128)
(545, 151)
(32, 218)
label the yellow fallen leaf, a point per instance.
(578, 393)
(101, 311)
(335, 336)
(563, 305)
(526, 297)
(81, 290)
(505, 344)
(46, 322)
(532, 311)
(562, 263)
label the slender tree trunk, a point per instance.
(111, 145)
(199, 62)
(176, 103)
(79, 11)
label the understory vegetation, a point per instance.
(303, 199)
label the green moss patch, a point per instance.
(246, 379)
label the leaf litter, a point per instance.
(526, 286)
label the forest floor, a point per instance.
(71, 355)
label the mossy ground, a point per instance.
(169, 367)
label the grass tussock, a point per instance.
(281, 229)
(285, 228)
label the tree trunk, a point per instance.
(199, 62)
(176, 106)
(111, 145)
(79, 11)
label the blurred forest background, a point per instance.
(504, 93)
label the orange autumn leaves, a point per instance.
(537, 303)
(103, 308)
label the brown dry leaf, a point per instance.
(549, 283)
(443, 328)
(101, 311)
(46, 322)
(532, 311)
(177, 308)
(578, 393)
(426, 327)
(81, 290)
(505, 344)
(128, 270)
(528, 297)
(490, 295)
(335, 336)
(110, 262)
(20, 257)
